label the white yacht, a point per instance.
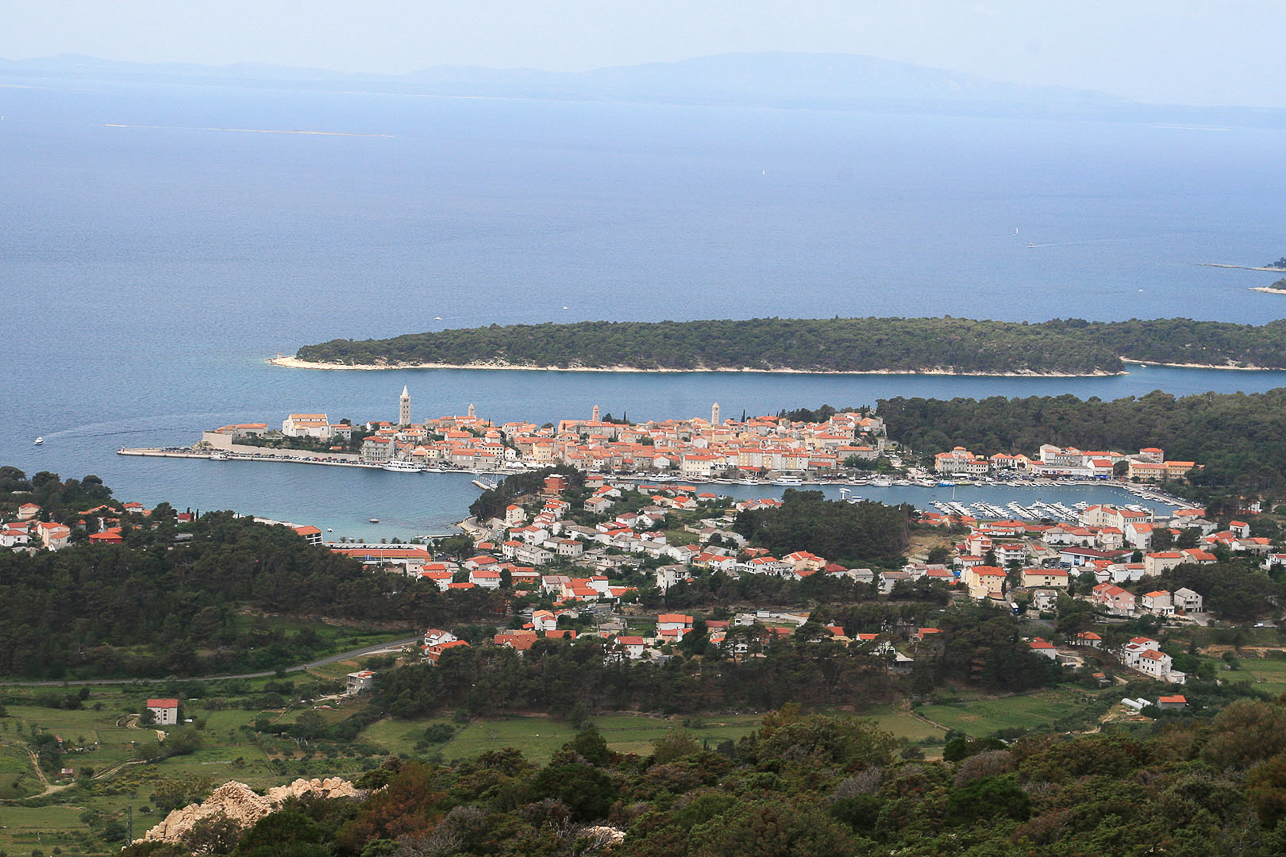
(399, 466)
(39, 441)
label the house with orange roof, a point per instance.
(52, 535)
(310, 534)
(434, 653)
(110, 536)
(441, 578)
(982, 581)
(1053, 577)
(635, 648)
(409, 560)
(1112, 597)
(165, 712)
(1157, 602)
(1044, 648)
(485, 578)
(1161, 561)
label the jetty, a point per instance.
(287, 456)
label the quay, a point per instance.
(289, 456)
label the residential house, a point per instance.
(358, 682)
(1187, 601)
(1044, 648)
(164, 711)
(1112, 597)
(53, 536)
(981, 581)
(1056, 577)
(1157, 603)
(434, 653)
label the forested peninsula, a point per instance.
(928, 345)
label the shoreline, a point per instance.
(1241, 267)
(1267, 290)
(296, 363)
(1225, 367)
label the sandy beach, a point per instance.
(296, 363)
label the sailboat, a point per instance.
(39, 441)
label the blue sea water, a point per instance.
(158, 242)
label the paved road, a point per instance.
(342, 656)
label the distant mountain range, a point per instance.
(778, 80)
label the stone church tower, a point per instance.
(404, 407)
(714, 414)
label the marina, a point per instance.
(407, 505)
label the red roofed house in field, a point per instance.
(166, 711)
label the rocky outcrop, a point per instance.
(239, 803)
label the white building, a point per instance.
(165, 711)
(306, 425)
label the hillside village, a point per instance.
(600, 558)
(577, 577)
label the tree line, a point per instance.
(173, 598)
(839, 531)
(967, 346)
(811, 785)
(1238, 438)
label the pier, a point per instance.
(288, 456)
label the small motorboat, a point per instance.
(39, 441)
(375, 520)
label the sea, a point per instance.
(160, 241)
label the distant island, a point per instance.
(955, 346)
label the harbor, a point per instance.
(345, 494)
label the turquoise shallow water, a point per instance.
(148, 271)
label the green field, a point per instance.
(538, 737)
(981, 717)
(903, 724)
(1267, 674)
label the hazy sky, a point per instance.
(1177, 51)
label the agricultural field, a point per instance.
(904, 724)
(538, 737)
(1267, 674)
(979, 717)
